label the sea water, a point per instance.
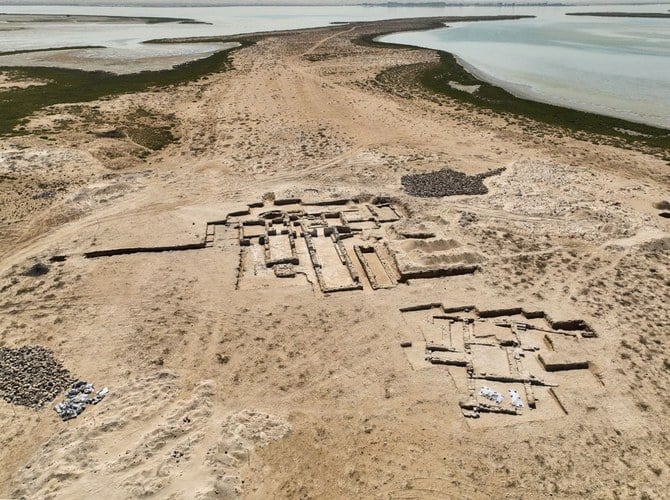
(222, 21)
(612, 66)
(125, 52)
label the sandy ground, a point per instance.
(8, 81)
(273, 389)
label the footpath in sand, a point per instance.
(265, 360)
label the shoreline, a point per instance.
(501, 100)
(17, 105)
(616, 127)
(54, 49)
(9, 17)
(135, 236)
(644, 15)
(505, 101)
(572, 120)
(126, 62)
(517, 91)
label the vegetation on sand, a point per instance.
(71, 85)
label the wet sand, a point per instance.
(117, 61)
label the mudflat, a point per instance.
(68, 18)
(237, 260)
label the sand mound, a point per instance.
(433, 254)
(442, 259)
(416, 229)
(429, 245)
(248, 428)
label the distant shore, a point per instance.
(255, 251)
(650, 15)
(454, 80)
(51, 49)
(437, 78)
(66, 18)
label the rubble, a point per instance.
(446, 182)
(77, 398)
(31, 376)
(38, 269)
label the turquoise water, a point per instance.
(618, 67)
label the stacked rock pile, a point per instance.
(31, 376)
(446, 182)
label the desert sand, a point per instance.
(228, 381)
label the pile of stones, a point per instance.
(31, 376)
(446, 182)
(38, 269)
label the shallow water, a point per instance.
(124, 39)
(613, 66)
(224, 21)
